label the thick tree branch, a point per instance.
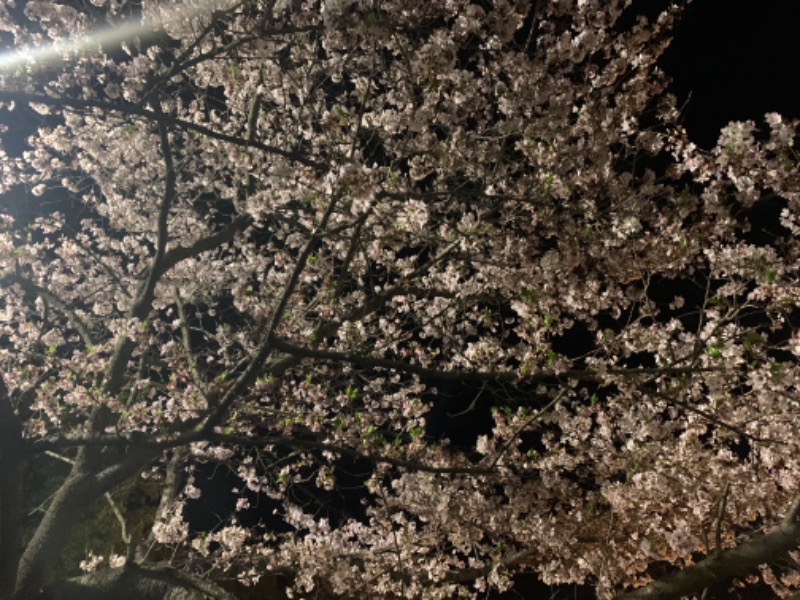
(175, 255)
(169, 492)
(117, 441)
(12, 462)
(727, 564)
(84, 484)
(115, 373)
(78, 492)
(134, 582)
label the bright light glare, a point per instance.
(55, 52)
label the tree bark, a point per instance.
(133, 582)
(723, 566)
(78, 492)
(12, 458)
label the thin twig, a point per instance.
(187, 345)
(723, 503)
(524, 425)
(114, 508)
(126, 537)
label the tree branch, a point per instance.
(259, 356)
(144, 298)
(347, 451)
(507, 562)
(134, 582)
(175, 255)
(58, 303)
(12, 462)
(169, 492)
(111, 441)
(78, 491)
(129, 108)
(373, 362)
(721, 566)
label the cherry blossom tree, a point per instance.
(258, 235)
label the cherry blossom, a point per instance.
(265, 235)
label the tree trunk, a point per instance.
(133, 582)
(12, 458)
(79, 491)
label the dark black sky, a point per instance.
(739, 59)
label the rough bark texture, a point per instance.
(78, 492)
(136, 583)
(723, 566)
(12, 456)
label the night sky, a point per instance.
(738, 59)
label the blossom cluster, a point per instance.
(266, 236)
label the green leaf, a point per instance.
(416, 432)
(551, 356)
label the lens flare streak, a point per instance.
(56, 51)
